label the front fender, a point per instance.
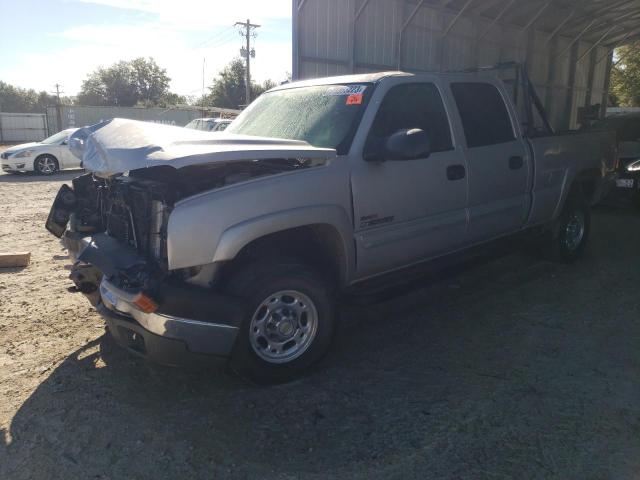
(233, 239)
(215, 226)
(238, 236)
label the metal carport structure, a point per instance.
(566, 44)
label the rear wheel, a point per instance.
(46, 165)
(288, 322)
(568, 239)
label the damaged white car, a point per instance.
(237, 244)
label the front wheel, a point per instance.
(46, 165)
(288, 322)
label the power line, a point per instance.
(222, 41)
(216, 36)
(247, 52)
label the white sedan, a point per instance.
(209, 124)
(45, 157)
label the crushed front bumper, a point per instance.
(190, 323)
(162, 337)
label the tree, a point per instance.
(22, 100)
(126, 84)
(228, 88)
(625, 76)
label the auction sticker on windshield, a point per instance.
(346, 90)
(354, 99)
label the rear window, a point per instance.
(484, 115)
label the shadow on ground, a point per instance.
(515, 369)
(28, 177)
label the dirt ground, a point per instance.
(515, 368)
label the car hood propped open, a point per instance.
(121, 145)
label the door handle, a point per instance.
(516, 163)
(456, 172)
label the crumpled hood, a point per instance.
(22, 146)
(121, 145)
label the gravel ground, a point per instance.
(514, 368)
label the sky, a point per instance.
(44, 42)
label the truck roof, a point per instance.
(376, 77)
(358, 78)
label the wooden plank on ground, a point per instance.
(14, 259)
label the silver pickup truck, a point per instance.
(196, 245)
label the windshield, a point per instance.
(57, 138)
(221, 126)
(325, 115)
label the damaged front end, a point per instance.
(115, 223)
(115, 231)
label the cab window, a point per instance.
(409, 106)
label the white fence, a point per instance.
(22, 127)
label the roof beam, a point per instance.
(608, 9)
(578, 37)
(621, 38)
(602, 26)
(559, 27)
(600, 40)
(506, 7)
(485, 6)
(537, 15)
(457, 17)
(412, 15)
(524, 11)
(404, 26)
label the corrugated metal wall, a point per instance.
(332, 37)
(79, 116)
(22, 127)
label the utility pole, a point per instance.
(202, 99)
(57, 85)
(247, 31)
(59, 126)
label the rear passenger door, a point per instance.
(409, 210)
(499, 164)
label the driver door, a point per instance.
(411, 210)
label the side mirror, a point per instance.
(402, 145)
(408, 145)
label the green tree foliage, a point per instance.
(228, 88)
(625, 76)
(21, 100)
(128, 83)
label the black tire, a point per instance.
(564, 242)
(256, 284)
(46, 164)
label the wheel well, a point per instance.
(318, 245)
(587, 182)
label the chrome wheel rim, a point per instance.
(283, 326)
(46, 165)
(574, 231)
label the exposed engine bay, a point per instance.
(133, 209)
